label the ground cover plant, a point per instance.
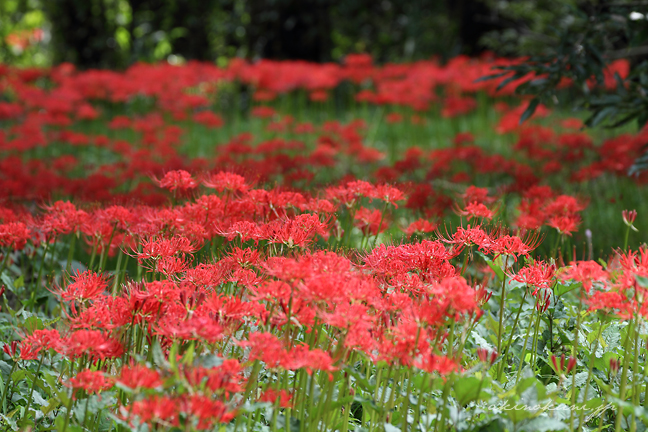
(294, 246)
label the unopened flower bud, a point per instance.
(629, 217)
(571, 364)
(486, 356)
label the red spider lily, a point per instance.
(10, 350)
(105, 312)
(39, 340)
(476, 210)
(263, 112)
(585, 272)
(296, 232)
(482, 295)
(153, 409)
(204, 328)
(169, 266)
(209, 119)
(91, 381)
(389, 194)
(371, 222)
(351, 193)
(179, 180)
(232, 309)
(63, 218)
(470, 236)
(162, 247)
(565, 224)
(456, 105)
(513, 245)
(437, 363)
(246, 230)
(206, 410)
(227, 181)
(474, 194)
(84, 286)
(14, 235)
(540, 275)
(267, 348)
(302, 357)
(394, 117)
(455, 296)
(420, 226)
(609, 301)
(224, 379)
(138, 376)
(92, 343)
(282, 398)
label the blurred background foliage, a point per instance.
(117, 33)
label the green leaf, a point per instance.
(497, 269)
(32, 323)
(599, 116)
(544, 424)
(20, 282)
(530, 110)
(53, 404)
(294, 425)
(564, 288)
(642, 281)
(467, 389)
(11, 422)
(367, 403)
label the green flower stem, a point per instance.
(589, 374)
(382, 218)
(510, 341)
(405, 413)
(347, 387)
(69, 410)
(384, 390)
(5, 260)
(523, 353)
(444, 401)
(500, 329)
(324, 407)
(117, 274)
(575, 355)
(42, 264)
(417, 412)
(624, 376)
(93, 254)
(465, 262)
(635, 390)
(31, 391)
(68, 264)
(534, 350)
(645, 372)
(85, 411)
(397, 383)
(6, 387)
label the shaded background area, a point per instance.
(117, 33)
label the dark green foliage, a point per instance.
(577, 46)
